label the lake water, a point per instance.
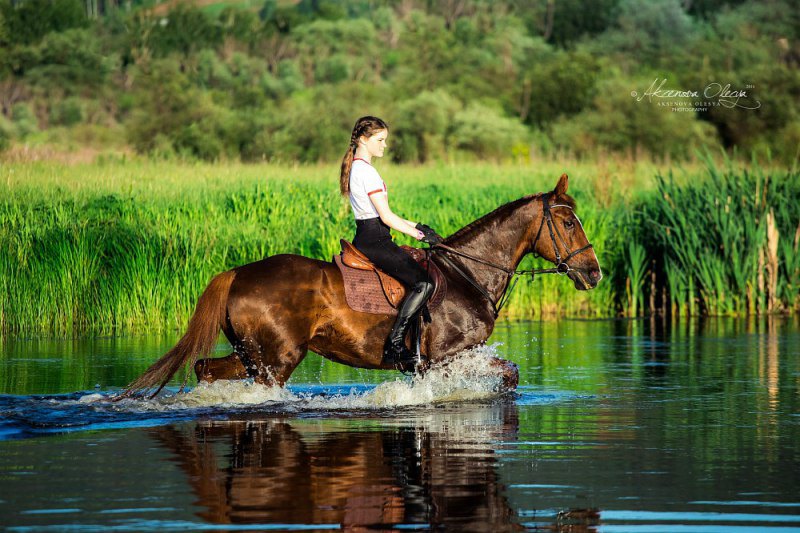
(620, 425)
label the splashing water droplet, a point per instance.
(468, 376)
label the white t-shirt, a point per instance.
(364, 182)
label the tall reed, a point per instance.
(711, 239)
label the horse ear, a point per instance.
(561, 186)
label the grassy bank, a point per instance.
(129, 245)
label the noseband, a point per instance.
(562, 267)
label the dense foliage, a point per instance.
(132, 245)
(284, 80)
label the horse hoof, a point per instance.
(201, 370)
(510, 372)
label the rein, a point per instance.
(562, 267)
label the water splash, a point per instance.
(220, 394)
(468, 376)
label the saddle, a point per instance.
(370, 290)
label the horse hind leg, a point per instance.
(266, 354)
(268, 359)
(243, 363)
(212, 369)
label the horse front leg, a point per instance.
(510, 372)
(276, 369)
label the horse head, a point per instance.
(560, 238)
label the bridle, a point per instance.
(562, 267)
(561, 264)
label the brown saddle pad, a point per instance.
(369, 290)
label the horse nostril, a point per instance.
(594, 274)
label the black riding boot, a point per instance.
(395, 350)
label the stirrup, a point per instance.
(400, 357)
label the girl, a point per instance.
(370, 202)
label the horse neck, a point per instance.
(501, 237)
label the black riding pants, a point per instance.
(374, 240)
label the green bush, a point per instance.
(6, 133)
(24, 118)
(290, 77)
(787, 144)
(562, 85)
(3, 25)
(184, 30)
(172, 112)
(422, 125)
(211, 71)
(68, 112)
(333, 69)
(313, 125)
(486, 132)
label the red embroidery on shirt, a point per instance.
(370, 193)
(364, 160)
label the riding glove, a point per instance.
(430, 236)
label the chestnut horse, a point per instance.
(275, 310)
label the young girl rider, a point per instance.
(369, 200)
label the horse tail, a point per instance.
(199, 339)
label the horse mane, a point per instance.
(509, 207)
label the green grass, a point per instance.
(129, 245)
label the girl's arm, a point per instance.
(381, 202)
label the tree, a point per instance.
(565, 21)
(576, 19)
(172, 114)
(70, 60)
(645, 30)
(486, 132)
(184, 30)
(422, 125)
(562, 85)
(336, 50)
(29, 21)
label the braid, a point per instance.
(364, 127)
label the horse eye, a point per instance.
(569, 224)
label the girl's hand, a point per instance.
(429, 236)
(420, 235)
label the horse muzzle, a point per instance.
(585, 279)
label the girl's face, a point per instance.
(375, 144)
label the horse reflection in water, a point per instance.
(432, 468)
(436, 469)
